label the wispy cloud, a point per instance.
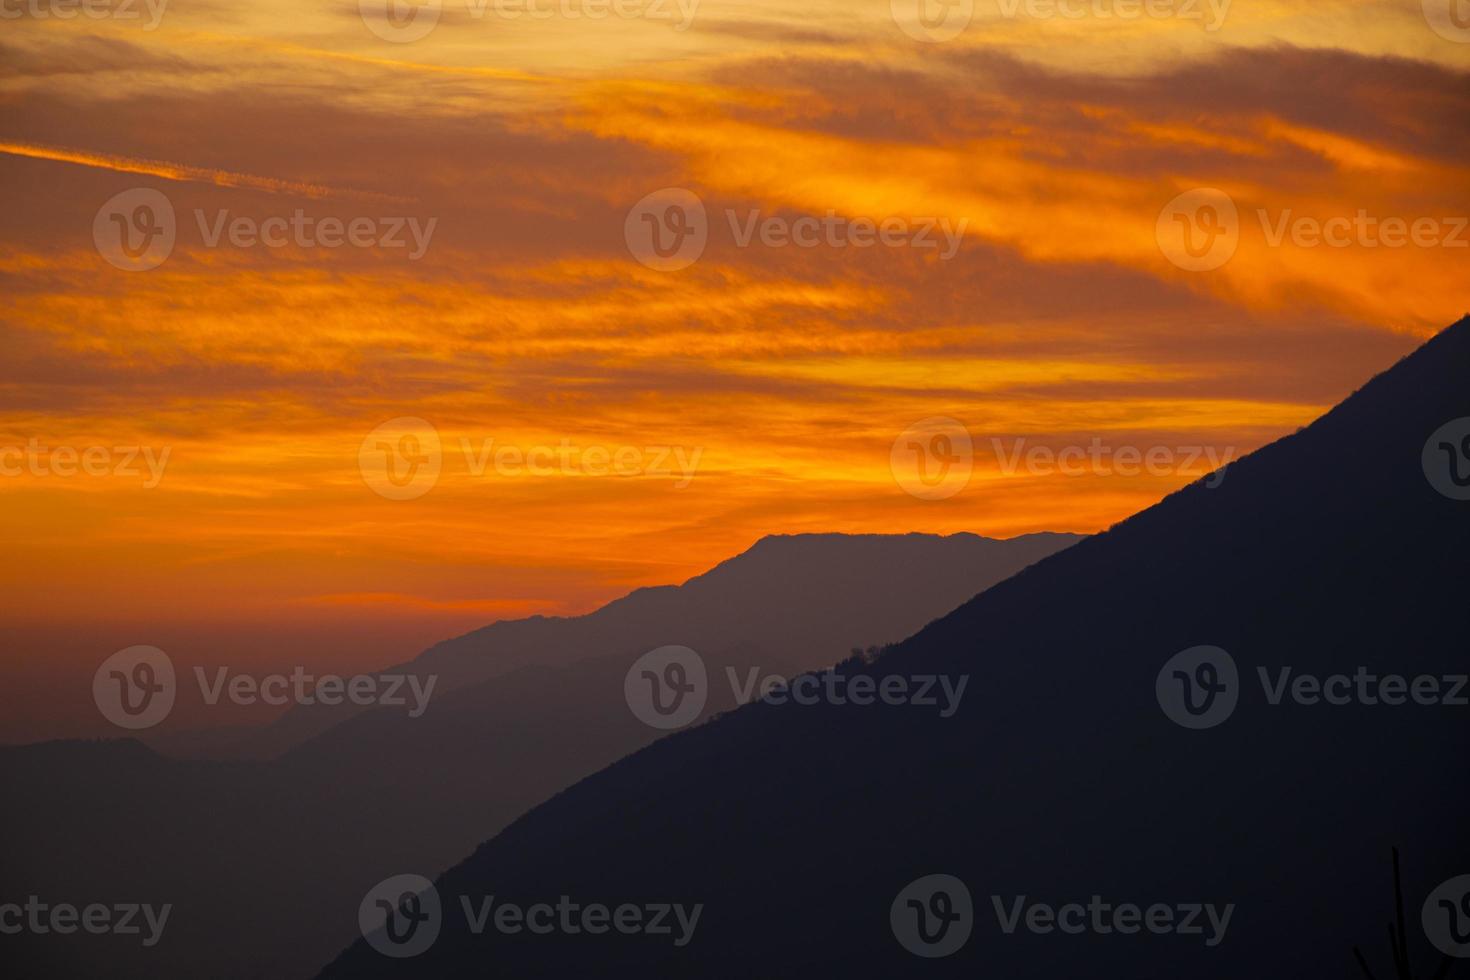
(190, 174)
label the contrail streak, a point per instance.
(186, 173)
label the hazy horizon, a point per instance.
(943, 230)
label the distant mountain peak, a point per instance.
(1065, 772)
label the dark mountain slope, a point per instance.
(1061, 777)
(792, 596)
(265, 850)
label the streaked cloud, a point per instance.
(529, 322)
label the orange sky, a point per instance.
(780, 376)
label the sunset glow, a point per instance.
(657, 422)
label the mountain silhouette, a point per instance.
(256, 855)
(1063, 776)
(787, 595)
